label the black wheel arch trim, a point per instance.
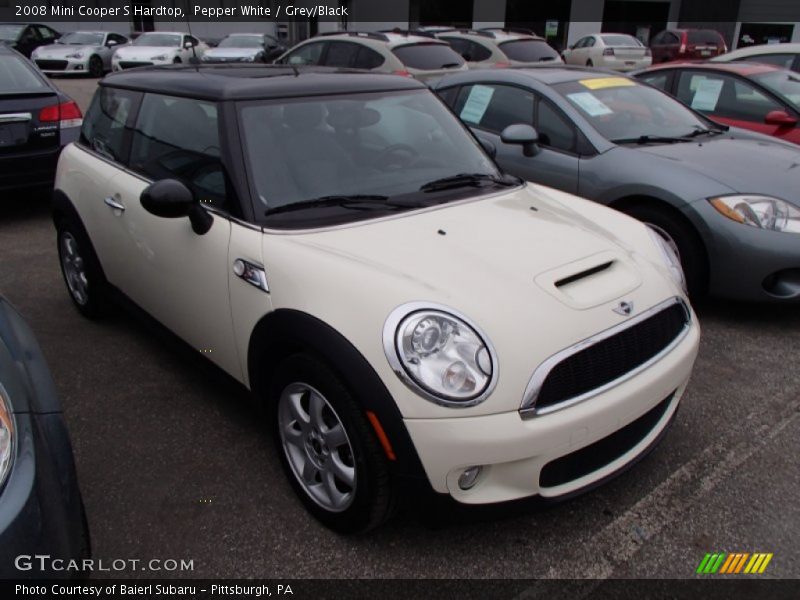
(62, 207)
(286, 331)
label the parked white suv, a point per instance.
(344, 247)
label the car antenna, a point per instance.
(194, 60)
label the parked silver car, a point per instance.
(245, 47)
(79, 53)
(726, 200)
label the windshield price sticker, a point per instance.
(476, 104)
(600, 83)
(593, 106)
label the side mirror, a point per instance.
(488, 146)
(188, 45)
(522, 135)
(111, 43)
(171, 199)
(780, 118)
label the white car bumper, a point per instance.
(63, 66)
(517, 455)
(625, 64)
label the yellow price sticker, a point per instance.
(600, 83)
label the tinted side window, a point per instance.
(554, 130)
(658, 38)
(781, 60)
(179, 138)
(305, 55)
(368, 59)
(341, 54)
(494, 107)
(478, 52)
(120, 39)
(724, 96)
(46, 33)
(428, 56)
(104, 126)
(658, 80)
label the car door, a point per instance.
(489, 108)
(731, 100)
(173, 273)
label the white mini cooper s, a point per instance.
(343, 246)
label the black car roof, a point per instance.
(251, 82)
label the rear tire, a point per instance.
(81, 269)
(327, 448)
(683, 237)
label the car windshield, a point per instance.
(785, 84)
(623, 110)
(242, 41)
(16, 77)
(378, 145)
(158, 39)
(528, 50)
(9, 31)
(428, 56)
(82, 38)
(620, 40)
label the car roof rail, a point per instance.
(372, 35)
(522, 30)
(481, 32)
(408, 32)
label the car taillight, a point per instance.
(502, 65)
(66, 114)
(402, 73)
(682, 49)
(608, 52)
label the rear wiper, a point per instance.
(355, 201)
(468, 180)
(651, 139)
(450, 65)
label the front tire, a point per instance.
(327, 448)
(96, 66)
(589, 63)
(177, 60)
(81, 269)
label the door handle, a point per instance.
(110, 201)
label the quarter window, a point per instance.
(179, 138)
(494, 107)
(368, 59)
(104, 126)
(341, 54)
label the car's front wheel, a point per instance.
(327, 449)
(81, 269)
(96, 66)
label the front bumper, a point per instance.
(747, 263)
(514, 452)
(64, 66)
(40, 506)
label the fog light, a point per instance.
(469, 477)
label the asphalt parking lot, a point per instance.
(174, 463)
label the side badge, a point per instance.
(252, 273)
(624, 308)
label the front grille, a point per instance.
(129, 64)
(51, 65)
(611, 358)
(596, 456)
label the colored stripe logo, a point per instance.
(734, 563)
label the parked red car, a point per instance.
(681, 44)
(763, 98)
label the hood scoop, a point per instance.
(591, 281)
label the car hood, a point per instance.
(232, 52)
(143, 52)
(62, 50)
(743, 165)
(495, 260)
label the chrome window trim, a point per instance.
(390, 327)
(528, 408)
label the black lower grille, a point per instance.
(602, 452)
(611, 358)
(129, 64)
(51, 65)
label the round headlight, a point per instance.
(669, 255)
(440, 354)
(6, 437)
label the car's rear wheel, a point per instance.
(81, 269)
(327, 449)
(96, 66)
(682, 238)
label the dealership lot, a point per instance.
(173, 462)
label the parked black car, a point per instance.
(25, 38)
(41, 511)
(36, 121)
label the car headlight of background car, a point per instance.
(75, 55)
(440, 354)
(670, 257)
(160, 57)
(6, 437)
(763, 212)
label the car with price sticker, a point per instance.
(726, 200)
(408, 315)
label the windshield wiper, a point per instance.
(651, 139)
(355, 201)
(703, 131)
(468, 180)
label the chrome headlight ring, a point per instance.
(7, 434)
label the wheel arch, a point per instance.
(63, 208)
(284, 332)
